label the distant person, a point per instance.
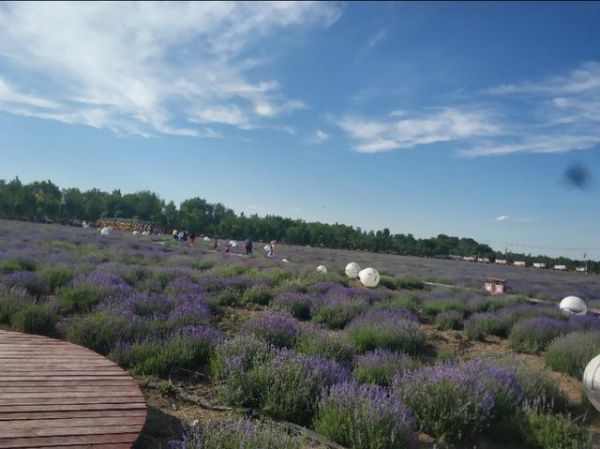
(271, 251)
(180, 237)
(216, 243)
(248, 246)
(192, 239)
(227, 247)
(175, 234)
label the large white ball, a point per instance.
(135, 233)
(369, 277)
(322, 269)
(206, 239)
(573, 305)
(105, 231)
(591, 381)
(352, 270)
(284, 260)
(267, 247)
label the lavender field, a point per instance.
(402, 365)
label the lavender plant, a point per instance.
(394, 329)
(381, 366)
(535, 334)
(275, 328)
(365, 417)
(571, 353)
(449, 403)
(238, 433)
(295, 303)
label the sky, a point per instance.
(425, 118)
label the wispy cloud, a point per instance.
(564, 115)
(371, 43)
(553, 115)
(147, 68)
(443, 125)
(506, 218)
(318, 136)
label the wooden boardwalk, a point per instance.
(54, 394)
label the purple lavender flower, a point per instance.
(295, 303)
(365, 416)
(449, 401)
(27, 281)
(381, 366)
(535, 334)
(275, 328)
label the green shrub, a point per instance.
(258, 296)
(203, 265)
(78, 299)
(434, 307)
(240, 433)
(571, 353)
(381, 366)
(450, 319)
(407, 301)
(409, 283)
(13, 265)
(35, 319)
(365, 417)
(56, 276)
(10, 305)
(388, 282)
(159, 359)
(335, 347)
(234, 366)
(98, 332)
(535, 334)
(547, 431)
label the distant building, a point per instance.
(560, 267)
(496, 286)
(580, 269)
(501, 261)
(519, 263)
(469, 259)
(483, 260)
(539, 265)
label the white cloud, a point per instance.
(371, 43)
(502, 218)
(554, 115)
(319, 136)
(448, 124)
(142, 67)
(563, 114)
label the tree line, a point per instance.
(43, 201)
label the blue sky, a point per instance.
(426, 118)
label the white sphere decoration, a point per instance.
(591, 381)
(136, 232)
(105, 231)
(352, 270)
(573, 305)
(284, 260)
(369, 277)
(322, 269)
(267, 247)
(206, 239)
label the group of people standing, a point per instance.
(184, 236)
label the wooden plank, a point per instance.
(56, 395)
(70, 422)
(66, 407)
(15, 416)
(47, 442)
